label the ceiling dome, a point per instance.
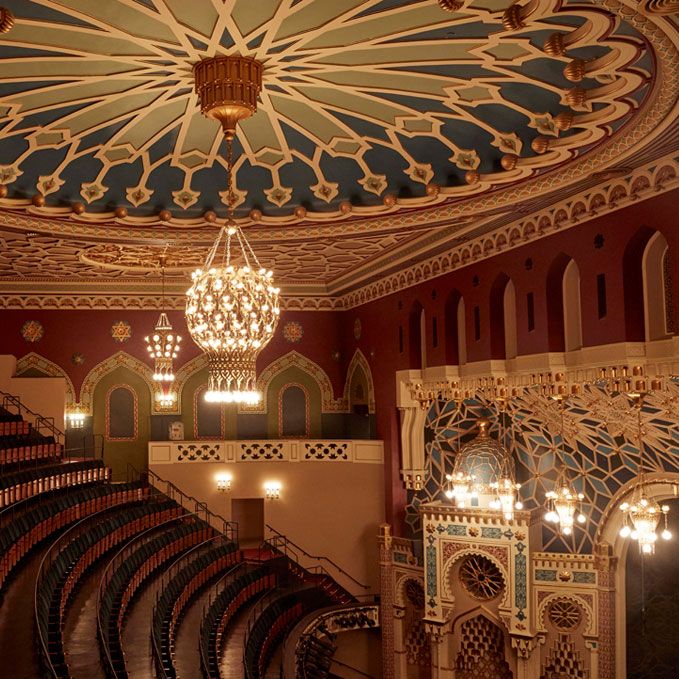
(484, 461)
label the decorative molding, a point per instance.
(44, 365)
(127, 387)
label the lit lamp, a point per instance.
(506, 501)
(562, 504)
(224, 482)
(76, 419)
(641, 515)
(459, 488)
(273, 490)
(231, 309)
(163, 344)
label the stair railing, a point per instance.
(39, 421)
(282, 544)
(228, 528)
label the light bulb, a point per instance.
(581, 518)
(567, 530)
(666, 535)
(625, 531)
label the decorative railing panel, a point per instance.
(287, 450)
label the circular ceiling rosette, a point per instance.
(367, 106)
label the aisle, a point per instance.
(231, 656)
(17, 644)
(80, 631)
(187, 653)
(136, 640)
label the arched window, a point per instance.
(121, 413)
(208, 418)
(461, 332)
(293, 411)
(417, 333)
(572, 317)
(633, 284)
(509, 310)
(502, 323)
(658, 321)
(564, 324)
(454, 327)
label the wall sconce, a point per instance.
(273, 490)
(76, 420)
(224, 482)
(166, 400)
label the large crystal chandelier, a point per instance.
(232, 308)
(642, 514)
(563, 500)
(163, 344)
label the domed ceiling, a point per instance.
(382, 126)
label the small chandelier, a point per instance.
(641, 515)
(163, 344)
(562, 504)
(563, 500)
(231, 310)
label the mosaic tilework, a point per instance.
(600, 450)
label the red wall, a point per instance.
(88, 332)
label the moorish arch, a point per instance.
(360, 369)
(30, 364)
(293, 359)
(120, 359)
(660, 486)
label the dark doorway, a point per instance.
(249, 515)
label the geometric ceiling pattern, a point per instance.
(600, 450)
(371, 112)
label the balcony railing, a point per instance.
(287, 450)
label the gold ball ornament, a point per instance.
(451, 5)
(472, 177)
(540, 144)
(432, 189)
(300, 212)
(576, 97)
(345, 207)
(511, 19)
(38, 200)
(255, 215)
(508, 161)
(6, 20)
(564, 121)
(3, 191)
(165, 215)
(121, 212)
(575, 70)
(210, 216)
(389, 200)
(78, 208)
(554, 46)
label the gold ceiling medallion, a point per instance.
(231, 310)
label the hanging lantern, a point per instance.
(231, 309)
(562, 504)
(163, 343)
(642, 514)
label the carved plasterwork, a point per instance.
(583, 603)
(120, 359)
(47, 367)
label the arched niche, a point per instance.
(204, 420)
(658, 321)
(633, 284)
(208, 417)
(293, 411)
(121, 414)
(417, 331)
(509, 312)
(502, 323)
(564, 325)
(454, 328)
(613, 637)
(293, 375)
(122, 450)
